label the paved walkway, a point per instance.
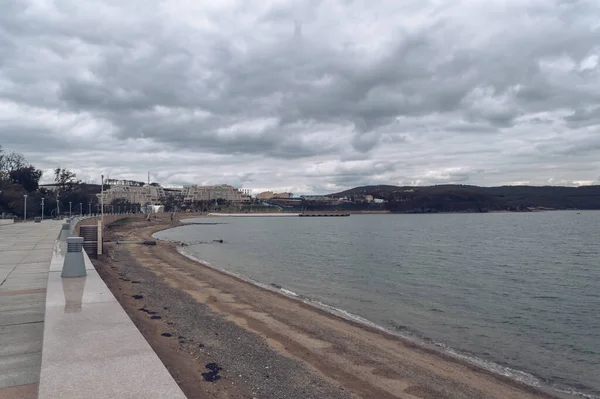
(25, 254)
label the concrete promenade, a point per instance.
(92, 349)
(67, 337)
(25, 255)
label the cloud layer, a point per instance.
(308, 96)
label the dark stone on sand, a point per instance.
(166, 334)
(219, 241)
(143, 309)
(213, 374)
(149, 243)
(200, 346)
(155, 317)
(137, 296)
(135, 282)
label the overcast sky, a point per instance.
(308, 96)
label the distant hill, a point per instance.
(463, 198)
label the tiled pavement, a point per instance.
(25, 255)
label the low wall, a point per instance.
(6, 221)
(91, 348)
(108, 219)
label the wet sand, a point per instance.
(228, 338)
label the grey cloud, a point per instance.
(296, 83)
(465, 127)
(584, 118)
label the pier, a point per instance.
(323, 214)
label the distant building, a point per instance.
(130, 183)
(133, 192)
(210, 193)
(50, 187)
(173, 191)
(266, 195)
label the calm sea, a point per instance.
(515, 292)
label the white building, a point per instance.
(270, 194)
(133, 192)
(210, 193)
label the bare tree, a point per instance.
(2, 161)
(65, 179)
(14, 161)
(10, 162)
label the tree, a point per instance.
(123, 205)
(14, 161)
(2, 160)
(11, 199)
(28, 177)
(65, 179)
(172, 202)
(11, 162)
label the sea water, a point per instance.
(518, 293)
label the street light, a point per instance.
(69, 208)
(90, 208)
(43, 208)
(25, 211)
(102, 206)
(80, 209)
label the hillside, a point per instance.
(462, 198)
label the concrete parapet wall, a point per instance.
(91, 347)
(108, 219)
(6, 221)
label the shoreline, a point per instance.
(430, 346)
(437, 348)
(404, 367)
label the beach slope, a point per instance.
(220, 336)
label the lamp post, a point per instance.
(69, 208)
(90, 208)
(25, 210)
(102, 206)
(43, 208)
(80, 209)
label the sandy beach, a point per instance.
(222, 337)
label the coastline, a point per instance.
(361, 359)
